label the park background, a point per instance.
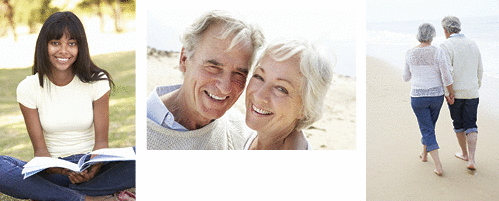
(110, 30)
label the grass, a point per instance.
(14, 139)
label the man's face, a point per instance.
(214, 77)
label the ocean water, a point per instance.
(390, 41)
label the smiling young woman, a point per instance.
(65, 105)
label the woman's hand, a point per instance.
(86, 175)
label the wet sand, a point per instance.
(393, 143)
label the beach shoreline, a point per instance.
(394, 169)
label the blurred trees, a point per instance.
(32, 13)
(7, 19)
(114, 8)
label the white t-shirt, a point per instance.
(66, 112)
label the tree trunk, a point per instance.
(101, 17)
(10, 17)
(117, 16)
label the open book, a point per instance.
(38, 164)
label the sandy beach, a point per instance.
(394, 169)
(339, 110)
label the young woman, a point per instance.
(65, 104)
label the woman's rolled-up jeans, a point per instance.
(427, 110)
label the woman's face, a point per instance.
(62, 53)
(273, 96)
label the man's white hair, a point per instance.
(242, 33)
(451, 24)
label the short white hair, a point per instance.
(426, 32)
(451, 24)
(248, 34)
(317, 73)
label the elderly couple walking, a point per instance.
(454, 69)
(284, 95)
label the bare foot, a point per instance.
(438, 172)
(460, 156)
(126, 195)
(424, 154)
(424, 157)
(471, 166)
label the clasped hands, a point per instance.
(450, 97)
(75, 177)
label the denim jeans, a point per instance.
(463, 113)
(427, 110)
(111, 178)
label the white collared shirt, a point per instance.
(157, 111)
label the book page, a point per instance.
(38, 164)
(107, 155)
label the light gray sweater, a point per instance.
(466, 61)
(228, 132)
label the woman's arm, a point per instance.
(101, 126)
(101, 121)
(407, 72)
(35, 132)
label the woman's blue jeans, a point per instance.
(427, 110)
(111, 178)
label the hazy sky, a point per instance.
(333, 31)
(165, 27)
(405, 10)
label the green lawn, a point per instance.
(14, 140)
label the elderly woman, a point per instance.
(285, 95)
(429, 71)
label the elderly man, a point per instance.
(216, 56)
(467, 73)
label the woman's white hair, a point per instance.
(317, 73)
(242, 33)
(426, 32)
(451, 24)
